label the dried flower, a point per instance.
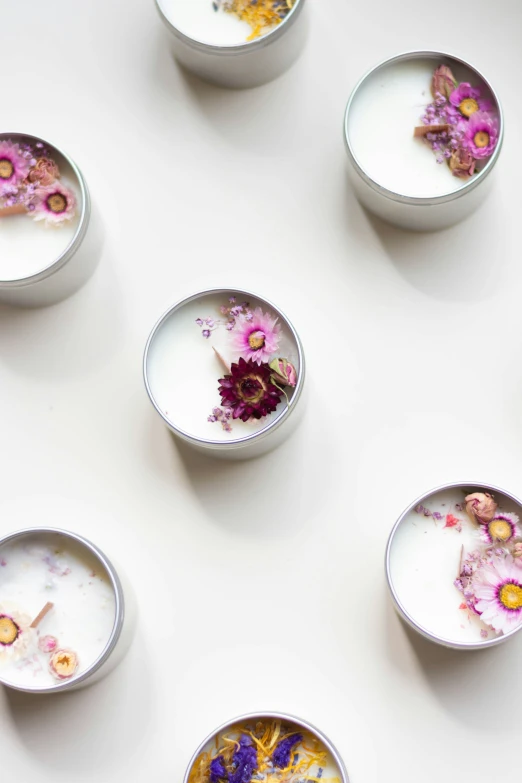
(47, 644)
(16, 635)
(218, 771)
(258, 338)
(481, 135)
(461, 162)
(466, 99)
(284, 373)
(63, 664)
(54, 204)
(443, 82)
(284, 748)
(517, 551)
(502, 529)
(14, 166)
(249, 390)
(44, 172)
(244, 761)
(481, 507)
(498, 589)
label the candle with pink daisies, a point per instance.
(454, 563)
(225, 369)
(39, 207)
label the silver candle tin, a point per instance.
(245, 64)
(509, 503)
(253, 717)
(122, 630)
(413, 213)
(254, 444)
(72, 268)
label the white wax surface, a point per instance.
(383, 115)
(197, 19)
(183, 370)
(424, 563)
(39, 569)
(28, 246)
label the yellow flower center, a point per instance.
(500, 530)
(468, 107)
(481, 139)
(57, 203)
(6, 168)
(256, 340)
(8, 630)
(510, 596)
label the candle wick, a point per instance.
(16, 209)
(39, 617)
(223, 362)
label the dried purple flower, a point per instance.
(244, 761)
(283, 750)
(218, 771)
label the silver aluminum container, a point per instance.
(422, 214)
(255, 444)
(73, 267)
(123, 627)
(255, 716)
(246, 64)
(509, 503)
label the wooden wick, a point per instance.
(17, 209)
(223, 362)
(423, 130)
(39, 617)
(461, 557)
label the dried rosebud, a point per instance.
(443, 82)
(45, 171)
(462, 163)
(47, 644)
(63, 664)
(517, 550)
(480, 507)
(284, 373)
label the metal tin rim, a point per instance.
(398, 605)
(277, 716)
(423, 200)
(81, 230)
(119, 608)
(233, 49)
(255, 436)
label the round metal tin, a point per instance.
(468, 487)
(101, 665)
(46, 285)
(251, 716)
(412, 212)
(258, 442)
(246, 64)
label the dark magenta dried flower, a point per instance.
(249, 390)
(244, 761)
(281, 755)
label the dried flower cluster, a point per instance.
(489, 577)
(261, 15)
(255, 380)
(459, 125)
(30, 184)
(268, 751)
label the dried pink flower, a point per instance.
(284, 373)
(44, 172)
(47, 644)
(443, 82)
(462, 163)
(480, 507)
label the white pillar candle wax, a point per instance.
(277, 747)
(57, 571)
(214, 22)
(186, 356)
(386, 107)
(32, 241)
(456, 577)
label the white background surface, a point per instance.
(261, 584)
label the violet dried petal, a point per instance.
(283, 750)
(244, 761)
(218, 771)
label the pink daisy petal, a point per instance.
(257, 338)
